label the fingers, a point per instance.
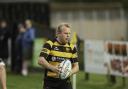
(56, 69)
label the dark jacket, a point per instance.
(4, 36)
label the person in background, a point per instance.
(19, 48)
(28, 44)
(53, 53)
(4, 36)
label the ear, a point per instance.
(57, 33)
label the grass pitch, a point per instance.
(35, 81)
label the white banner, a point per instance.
(94, 56)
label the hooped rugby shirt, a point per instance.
(54, 53)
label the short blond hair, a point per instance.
(61, 26)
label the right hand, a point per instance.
(55, 69)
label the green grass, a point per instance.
(98, 82)
(34, 81)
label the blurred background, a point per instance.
(99, 28)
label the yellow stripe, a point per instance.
(72, 46)
(61, 54)
(50, 42)
(45, 50)
(54, 63)
(53, 74)
(57, 44)
(74, 55)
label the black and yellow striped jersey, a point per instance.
(54, 53)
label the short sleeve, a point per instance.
(74, 55)
(45, 50)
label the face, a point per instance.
(3, 24)
(22, 29)
(64, 36)
(28, 23)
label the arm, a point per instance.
(30, 35)
(75, 63)
(3, 76)
(75, 68)
(43, 62)
(32, 32)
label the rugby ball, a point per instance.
(65, 68)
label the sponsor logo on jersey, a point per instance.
(56, 48)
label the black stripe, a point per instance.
(61, 48)
(43, 55)
(56, 58)
(73, 60)
(46, 45)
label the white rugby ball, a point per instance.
(65, 67)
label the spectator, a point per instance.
(4, 36)
(28, 45)
(19, 48)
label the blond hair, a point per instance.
(61, 27)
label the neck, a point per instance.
(60, 41)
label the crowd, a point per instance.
(20, 41)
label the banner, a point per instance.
(117, 52)
(104, 57)
(94, 56)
